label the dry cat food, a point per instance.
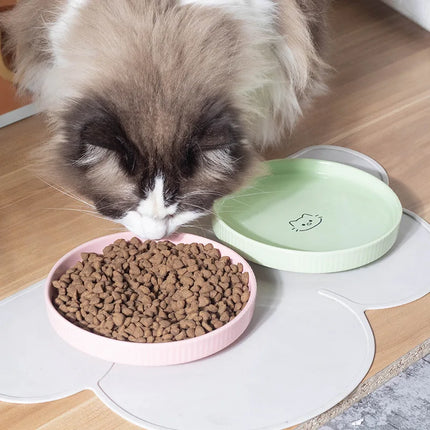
(152, 291)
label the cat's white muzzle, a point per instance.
(146, 227)
(156, 228)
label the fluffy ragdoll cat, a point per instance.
(158, 107)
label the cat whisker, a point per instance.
(67, 193)
(237, 200)
(118, 230)
(204, 210)
(197, 227)
(91, 213)
(111, 205)
(203, 192)
(258, 193)
(75, 210)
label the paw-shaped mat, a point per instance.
(308, 346)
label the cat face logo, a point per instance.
(306, 222)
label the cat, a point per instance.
(159, 107)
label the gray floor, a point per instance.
(403, 403)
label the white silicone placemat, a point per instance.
(308, 346)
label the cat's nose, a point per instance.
(157, 229)
(146, 227)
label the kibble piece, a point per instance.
(185, 292)
(126, 311)
(225, 317)
(211, 308)
(204, 301)
(222, 308)
(245, 296)
(206, 326)
(236, 298)
(205, 315)
(199, 331)
(168, 336)
(237, 289)
(175, 330)
(217, 323)
(245, 278)
(165, 323)
(118, 319)
(180, 336)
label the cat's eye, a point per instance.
(128, 154)
(189, 161)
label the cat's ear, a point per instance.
(94, 132)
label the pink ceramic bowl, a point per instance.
(155, 354)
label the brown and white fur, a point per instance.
(158, 107)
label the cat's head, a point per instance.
(150, 127)
(305, 222)
(152, 174)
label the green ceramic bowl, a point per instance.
(310, 216)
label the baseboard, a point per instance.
(17, 115)
(416, 10)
